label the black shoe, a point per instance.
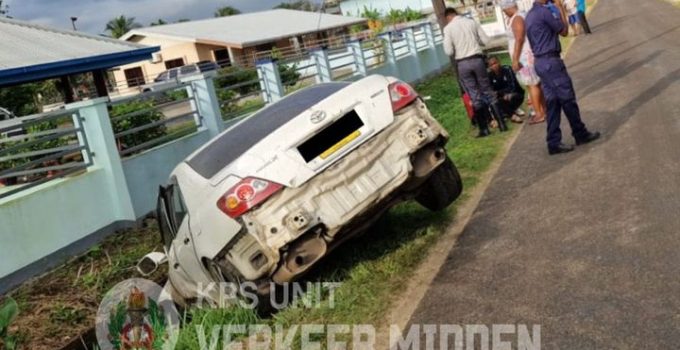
(561, 148)
(589, 137)
(497, 114)
(483, 133)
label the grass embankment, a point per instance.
(56, 308)
(375, 267)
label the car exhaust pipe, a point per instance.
(301, 255)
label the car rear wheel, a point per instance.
(442, 187)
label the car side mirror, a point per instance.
(150, 263)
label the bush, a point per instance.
(127, 123)
(230, 76)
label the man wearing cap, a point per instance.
(463, 38)
(543, 30)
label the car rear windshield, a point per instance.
(232, 144)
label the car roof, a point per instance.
(231, 144)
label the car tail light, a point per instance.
(246, 194)
(401, 94)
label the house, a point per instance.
(33, 52)
(234, 40)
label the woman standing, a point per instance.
(523, 58)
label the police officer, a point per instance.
(543, 30)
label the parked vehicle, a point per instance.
(171, 77)
(7, 122)
(267, 199)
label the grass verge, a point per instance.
(56, 308)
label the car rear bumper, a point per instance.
(298, 226)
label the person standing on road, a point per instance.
(543, 31)
(581, 7)
(523, 58)
(572, 16)
(463, 39)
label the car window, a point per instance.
(207, 66)
(173, 73)
(188, 70)
(230, 145)
(178, 206)
(163, 76)
(171, 212)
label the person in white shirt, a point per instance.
(463, 39)
(572, 10)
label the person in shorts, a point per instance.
(523, 58)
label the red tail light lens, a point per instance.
(246, 194)
(401, 94)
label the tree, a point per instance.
(120, 25)
(159, 22)
(4, 9)
(182, 20)
(226, 11)
(301, 5)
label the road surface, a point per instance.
(586, 244)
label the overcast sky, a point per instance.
(93, 14)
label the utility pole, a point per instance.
(73, 22)
(439, 7)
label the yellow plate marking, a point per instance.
(327, 153)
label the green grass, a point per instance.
(375, 267)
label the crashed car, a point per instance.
(271, 196)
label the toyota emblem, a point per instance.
(317, 117)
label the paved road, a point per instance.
(586, 244)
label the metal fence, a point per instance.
(37, 149)
(150, 119)
(239, 92)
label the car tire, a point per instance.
(442, 187)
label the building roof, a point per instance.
(248, 29)
(30, 52)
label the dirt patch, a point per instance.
(58, 307)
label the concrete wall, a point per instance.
(51, 216)
(145, 171)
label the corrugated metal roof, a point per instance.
(30, 52)
(24, 44)
(249, 29)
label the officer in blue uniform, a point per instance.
(543, 30)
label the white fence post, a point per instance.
(429, 34)
(411, 41)
(358, 56)
(390, 56)
(268, 72)
(97, 127)
(202, 89)
(324, 73)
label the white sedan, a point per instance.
(268, 198)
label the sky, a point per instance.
(93, 14)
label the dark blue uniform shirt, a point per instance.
(543, 31)
(505, 82)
